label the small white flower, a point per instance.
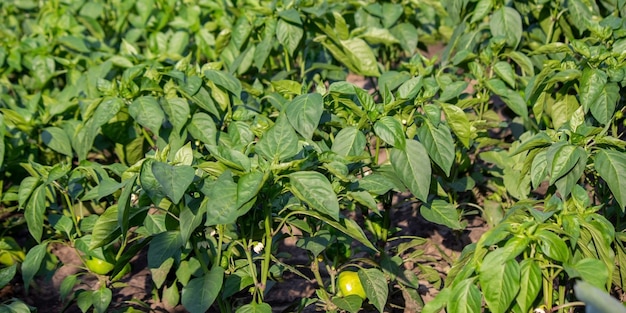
(258, 247)
(539, 310)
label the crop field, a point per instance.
(257, 156)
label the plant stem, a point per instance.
(267, 249)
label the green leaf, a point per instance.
(7, 274)
(221, 202)
(280, 142)
(351, 303)
(346, 226)
(34, 212)
(530, 284)
(304, 113)
(591, 270)
(611, 166)
(224, 80)
(32, 263)
(289, 35)
(57, 139)
(412, 166)
(200, 293)
(406, 34)
(147, 112)
(565, 184)
(173, 180)
(164, 246)
(499, 280)
(362, 56)
(439, 144)
(507, 22)
(465, 298)
(561, 158)
(603, 108)
(390, 131)
(375, 286)
(177, 111)
(504, 70)
(101, 299)
(27, 186)
(458, 122)
(171, 295)
(592, 84)
(349, 142)
(483, 7)
(453, 90)
(202, 127)
(255, 307)
(314, 189)
(105, 229)
(513, 99)
(553, 246)
(441, 212)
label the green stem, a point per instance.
(251, 266)
(265, 266)
(148, 138)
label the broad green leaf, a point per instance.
(530, 284)
(465, 298)
(190, 218)
(177, 111)
(453, 90)
(362, 56)
(406, 34)
(365, 99)
(57, 139)
(439, 144)
(611, 166)
(27, 186)
(375, 286)
(483, 7)
(412, 166)
(149, 183)
(410, 88)
(592, 84)
(147, 112)
(314, 189)
(202, 127)
(376, 183)
(603, 108)
(349, 142)
(255, 307)
(248, 186)
(553, 246)
(441, 212)
(512, 98)
(280, 142)
(34, 212)
(289, 35)
(505, 72)
(164, 246)
(231, 158)
(499, 280)
(200, 293)
(351, 303)
(507, 22)
(106, 228)
(159, 275)
(173, 180)
(224, 80)
(304, 113)
(101, 299)
(565, 184)
(561, 158)
(171, 295)
(458, 122)
(390, 131)
(591, 270)
(221, 202)
(2, 133)
(32, 263)
(7, 274)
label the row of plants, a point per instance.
(204, 134)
